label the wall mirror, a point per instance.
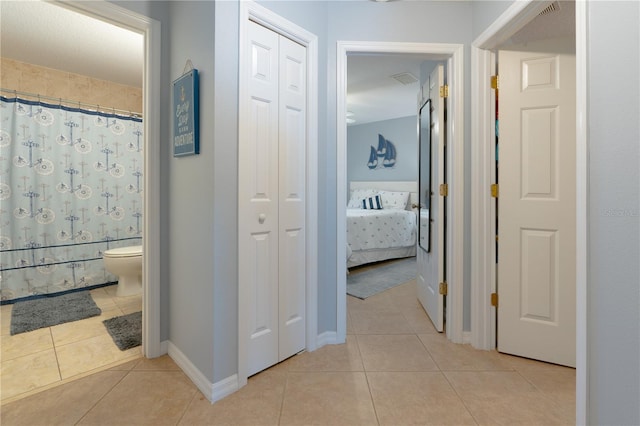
(424, 170)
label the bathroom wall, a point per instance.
(24, 77)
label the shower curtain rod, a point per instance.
(70, 103)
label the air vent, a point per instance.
(405, 78)
(553, 7)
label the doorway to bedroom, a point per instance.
(384, 96)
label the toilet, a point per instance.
(126, 263)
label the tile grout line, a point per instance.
(102, 397)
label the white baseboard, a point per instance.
(224, 387)
(466, 337)
(327, 338)
(212, 391)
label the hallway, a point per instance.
(394, 369)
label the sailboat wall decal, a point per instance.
(386, 152)
(373, 159)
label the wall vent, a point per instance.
(405, 78)
(553, 7)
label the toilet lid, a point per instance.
(124, 252)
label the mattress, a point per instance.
(380, 229)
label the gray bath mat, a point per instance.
(374, 281)
(125, 330)
(33, 314)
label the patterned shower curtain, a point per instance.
(70, 188)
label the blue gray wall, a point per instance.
(402, 132)
(613, 325)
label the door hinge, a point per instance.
(496, 238)
(444, 189)
(494, 299)
(443, 288)
(444, 91)
(495, 190)
(495, 82)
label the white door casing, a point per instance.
(454, 170)
(431, 265)
(272, 186)
(537, 228)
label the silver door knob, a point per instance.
(262, 217)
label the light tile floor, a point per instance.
(44, 358)
(394, 369)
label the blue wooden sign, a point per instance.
(185, 115)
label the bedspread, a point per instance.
(380, 229)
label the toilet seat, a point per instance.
(132, 251)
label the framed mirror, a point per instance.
(424, 172)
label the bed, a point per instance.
(375, 234)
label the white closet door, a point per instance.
(258, 201)
(272, 184)
(292, 171)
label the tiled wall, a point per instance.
(23, 77)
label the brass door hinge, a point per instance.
(494, 299)
(495, 190)
(443, 288)
(444, 91)
(444, 189)
(495, 82)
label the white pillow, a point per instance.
(394, 200)
(357, 195)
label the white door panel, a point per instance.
(258, 200)
(292, 184)
(272, 182)
(536, 314)
(431, 264)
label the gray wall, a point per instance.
(614, 213)
(486, 12)
(402, 132)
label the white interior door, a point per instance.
(537, 177)
(431, 264)
(292, 197)
(271, 191)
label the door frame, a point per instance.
(454, 54)
(251, 11)
(151, 278)
(483, 268)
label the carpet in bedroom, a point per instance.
(376, 280)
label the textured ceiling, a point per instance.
(52, 36)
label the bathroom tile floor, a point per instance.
(41, 359)
(398, 372)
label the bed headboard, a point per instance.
(411, 187)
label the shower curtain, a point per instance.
(70, 188)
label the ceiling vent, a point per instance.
(405, 78)
(553, 7)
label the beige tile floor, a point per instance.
(44, 358)
(394, 369)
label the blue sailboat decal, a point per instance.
(390, 156)
(382, 146)
(373, 159)
(385, 155)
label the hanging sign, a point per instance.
(185, 115)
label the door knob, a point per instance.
(262, 217)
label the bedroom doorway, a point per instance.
(452, 54)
